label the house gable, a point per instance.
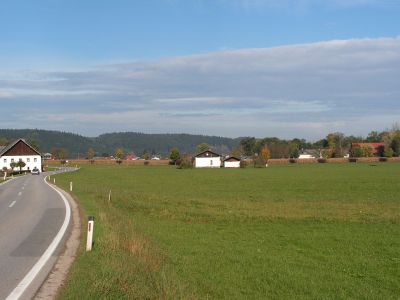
(19, 148)
(207, 154)
(231, 159)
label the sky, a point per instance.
(224, 67)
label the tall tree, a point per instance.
(373, 137)
(59, 153)
(203, 147)
(335, 144)
(91, 154)
(265, 154)
(248, 145)
(119, 154)
(174, 155)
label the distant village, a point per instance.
(19, 155)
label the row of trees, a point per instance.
(334, 145)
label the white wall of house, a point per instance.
(208, 162)
(232, 164)
(306, 156)
(31, 161)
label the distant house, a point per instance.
(20, 150)
(47, 156)
(306, 156)
(207, 159)
(377, 148)
(232, 162)
(131, 156)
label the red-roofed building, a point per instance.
(377, 148)
(131, 156)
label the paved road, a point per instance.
(31, 215)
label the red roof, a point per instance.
(378, 147)
(373, 145)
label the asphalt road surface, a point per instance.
(34, 220)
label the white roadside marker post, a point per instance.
(54, 180)
(5, 176)
(109, 197)
(89, 241)
(70, 186)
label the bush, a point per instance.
(352, 159)
(259, 162)
(185, 163)
(292, 160)
(322, 160)
(146, 162)
(383, 159)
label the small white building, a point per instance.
(20, 150)
(232, 162)
(207, 159)
(306, 156)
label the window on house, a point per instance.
(211, 162)
(28, 160)
(12, 159)
(5, 160)
(35, 159)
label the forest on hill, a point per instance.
(106, 144)
(76, 146)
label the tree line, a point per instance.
(66, 145)
(333, 145)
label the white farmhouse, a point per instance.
(208, 159)
(232, 162)
(306, 156)
(20, 150)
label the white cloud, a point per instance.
(299, 90)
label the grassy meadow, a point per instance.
(285, 232)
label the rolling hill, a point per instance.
(106, 144)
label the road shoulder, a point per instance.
(56, 278)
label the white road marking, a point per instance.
(12, 203)
(23, 285)
(23, 187)
(20, 193)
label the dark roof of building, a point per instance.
(208, 153)
(10, 146)
(232, 158)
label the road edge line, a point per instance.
(31, 275)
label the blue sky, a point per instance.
(285, 68)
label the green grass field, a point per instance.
(285, 232)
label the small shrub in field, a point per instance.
(146, 163)
(322, 160)
(243, 164)
(186, 163)
(383, 159)
(352, 159)
(292, 160)
(259, 162)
